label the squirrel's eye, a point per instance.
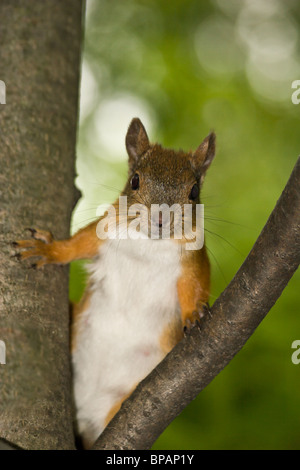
(135, 182)
(194, 192)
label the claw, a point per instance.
(31, 230)
(16, 256)
(42, 235)
(194, 320)
(37, 246)
(206, 310)
(190, 325)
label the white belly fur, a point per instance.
(134, 297)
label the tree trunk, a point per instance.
(39, 60)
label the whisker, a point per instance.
(217, 219)
(103, 185)
(218, 264)
(224, 239)
(84, 222)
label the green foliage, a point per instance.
(186, 67)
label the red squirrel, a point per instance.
(141, 294)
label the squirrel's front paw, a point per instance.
(194, 320)
(40, 245)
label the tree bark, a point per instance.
(40, 60)
(200, 356)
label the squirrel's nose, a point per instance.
(160, 220)
(157, 219)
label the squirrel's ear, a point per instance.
(204, 155)
(137, 141)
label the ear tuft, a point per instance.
(204, 155)
(137, 142)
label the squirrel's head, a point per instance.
(163, 176)
(158, 175)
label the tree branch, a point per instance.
(200, 356)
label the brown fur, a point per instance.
(84, 244)
(193, 286)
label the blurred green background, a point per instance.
(186, 67)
